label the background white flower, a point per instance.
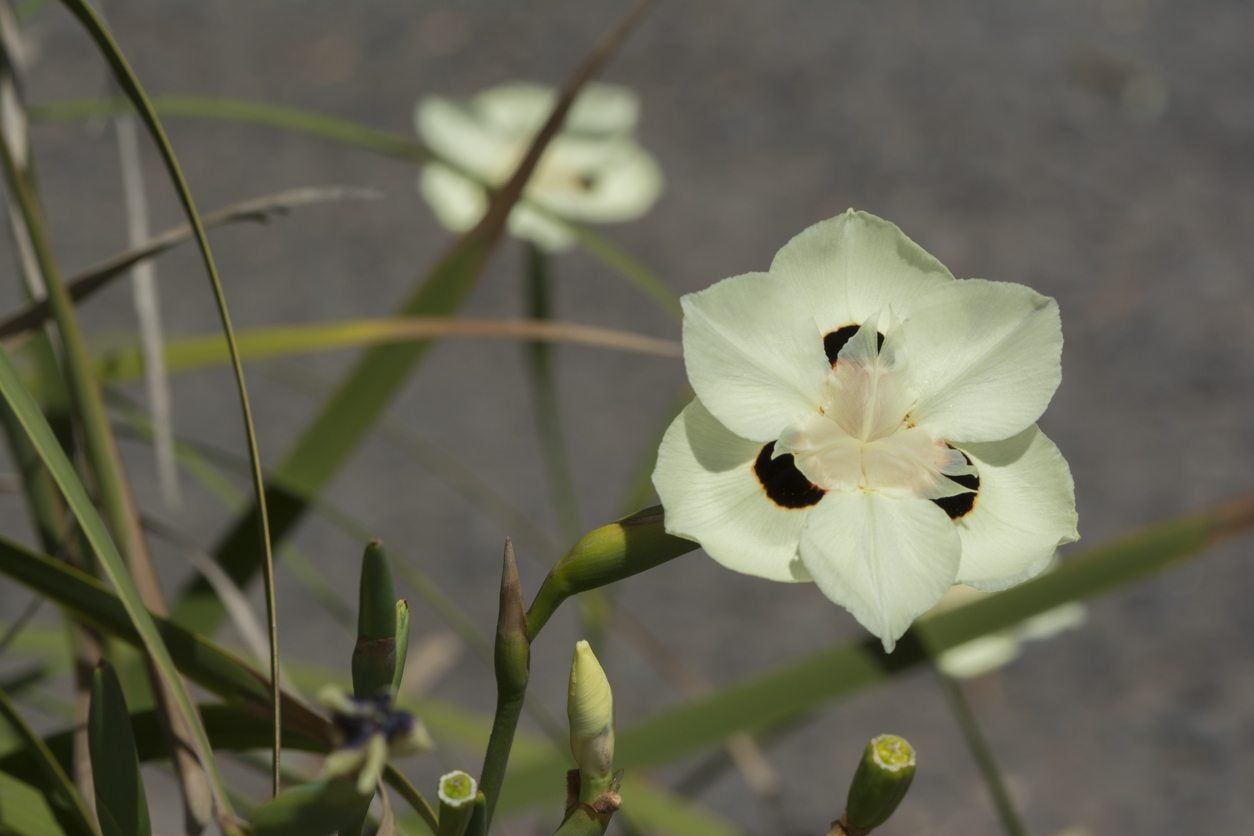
(987, 653)
(866, 421)
(592, 171)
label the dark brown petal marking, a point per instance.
(834, 341)
(959, 505)
(784, 484)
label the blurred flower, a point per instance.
(866, 421)
(592, 171)
(987, 653)
(368, 733)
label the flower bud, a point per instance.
(879, 785)
(590, 706)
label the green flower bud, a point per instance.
(590, 706)
(457, 793)
(879, 785)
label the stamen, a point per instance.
(959, 505)
(784, 484)
(834, 341)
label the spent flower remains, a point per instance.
(866, 421)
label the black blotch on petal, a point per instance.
(960, 505)
(784, 484)
(834, 341)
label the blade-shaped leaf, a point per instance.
(45, 443)
(121, 804)
(130, 85)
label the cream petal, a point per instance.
(984, 359)
(1024, 510)
(979, 656)
(457, 201)
(601, 181)
(853, 266)
(546, 232)
(521, 108)
(754, 355)
(887, 560)
(705, 479)
(455, 135)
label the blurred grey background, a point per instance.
(1098, 151)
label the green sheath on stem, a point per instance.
(374, 655)
(121, 805)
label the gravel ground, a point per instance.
(1099, 151)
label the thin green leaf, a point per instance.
(41, 436)
(121, 804)
(765, 701)
(63, 799)
(202, 661)
(129, 82)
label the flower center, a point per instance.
(861, 438)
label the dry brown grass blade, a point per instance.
(255, 210)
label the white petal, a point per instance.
(983, 358)
(458, 203)
(854, 266)
(454, 134)
(546, 232)
(887, 560)
(753, 354)
(521, 107)
(1024, 510)
(597, 180)
(706, 481)
(979, 656)
(1052, 622)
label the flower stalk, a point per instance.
(603, 556)
(512, 662)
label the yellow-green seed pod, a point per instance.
(881, 782)
(590, 706)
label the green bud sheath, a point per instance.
(879, 785)
(402, 643)
(374, 655)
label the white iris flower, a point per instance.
(866, 421)
(593, 170)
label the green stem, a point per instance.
(982, 753)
